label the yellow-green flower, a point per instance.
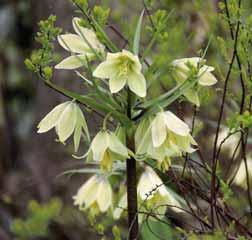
(182, 70)
(107, 148)
(153, 196)
(95, 193)
(81, 46)
(122, 68)
(67, 119)
(152, 190)
(166, 136)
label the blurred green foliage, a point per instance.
(37, 222)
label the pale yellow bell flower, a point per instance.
(67, 119)
(167, 130)
(107, 148)
(166, 136)
(96, 192)
(153, 196)
(122, 68)
(182, 71)
(81, 46)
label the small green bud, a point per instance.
(36, 57)
(101, 14)
(30, 65)
(48, 72)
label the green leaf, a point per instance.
(137, 36)
(80, 171)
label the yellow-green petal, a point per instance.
(116, 146)
(73, 62)
(99, 145)
(51, 119)
(105, 70)
(104, 195)
(158, 130)
(137, 84)
(86, 195)
(176, 125)
(66, 123)
(73, 43)
(116, 83)
(207, 79)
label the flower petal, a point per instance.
(176, 125)
(81, 127)
(116, 83)
(66, 123)
(207, 79)
(78, 128)
(86, 195)
(105, 70)
(144, 187)
(72, 62)
(137, 84)
(51, 119)
(73, 43)
(99, 145)
(116, 146)
(158, 130)
(104, 195)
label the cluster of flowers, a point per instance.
(159, 137)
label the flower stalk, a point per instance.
(131, 172)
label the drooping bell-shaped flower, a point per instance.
(153, 196)
(95, 193)
(67, 119)
(167, 126)
(83, 45)
(166, 136)
(182, 70)
(107, 148)
(122, 68)
(152, 190)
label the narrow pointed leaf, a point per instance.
(137, 36)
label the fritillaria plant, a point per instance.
(140, 135)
